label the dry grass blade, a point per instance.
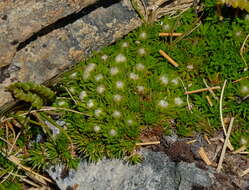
(166, 56)
(242, 50)
(210, 90)
(204, 156)
(147, 143)
(202, 90)
(222, 156)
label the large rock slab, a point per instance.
(20, 19)
(156, 172)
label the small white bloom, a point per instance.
(72, 90)
(82, 95)
(73, 75)
(97, 112)
(120, 58)
(175, 81)
(178, 101)
(125, 45)
(243, 141)
(90, 103)
(141, 51)
(238, 33)
(96, 128)
(104, 57)
(129, 121)
(99, 77)
(61, 103)
(140, 66)
(114, 71)
(163, 104)
(137, 42)
(190, 67)
(112, 132)
(116, 114)
(119, 84)
(166, 27)
(117, 98)
(247, 17)
(164, 80)
(143, 35)
(88, 70)
(133, 76)
(244, 89)
(140, 89)
(100, 89)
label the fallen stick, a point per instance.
(209, 101)
(222, 156)
(164, 34)
(166, 56)
(242, 173)
(202, 90)
(148, 143)
(204, 156)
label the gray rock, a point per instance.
(156, 172)
(21, 19)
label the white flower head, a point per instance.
(72, 90)
(190, 67)
(82, 95)
(104, 57)
(130, 121)
(178, 101)
(133, 76)
(143, 35)
(120, 58)
(112, 132)
(137, 42)
(244, 89)
(140, 66)
(114, 71)
(119, 85)
(116, 114)
(99, 77)
(140, 89)
(89, 68)
(117, 98)
(166, 27)
(96, 128)
(90, 103)
(175, 81)
(141, 51)
(125, 45)
(243, 141)
(164, 80)
(163, 104)
(62, 103)
(73, 75)
(238, 33)
(98, 112)
(247, 17)
(100, 89)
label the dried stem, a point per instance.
(222, 156)
(202, 90)
(166, 56)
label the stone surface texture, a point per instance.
(20, 19)
(50, 54)
(156, 172)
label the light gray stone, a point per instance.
(156, 172)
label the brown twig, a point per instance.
(204, 156)
(202, 90)
(165, 34)
(148, 143)
(166, 56)
(209, 101)
(222, 156)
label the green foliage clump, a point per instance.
(36, 94)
